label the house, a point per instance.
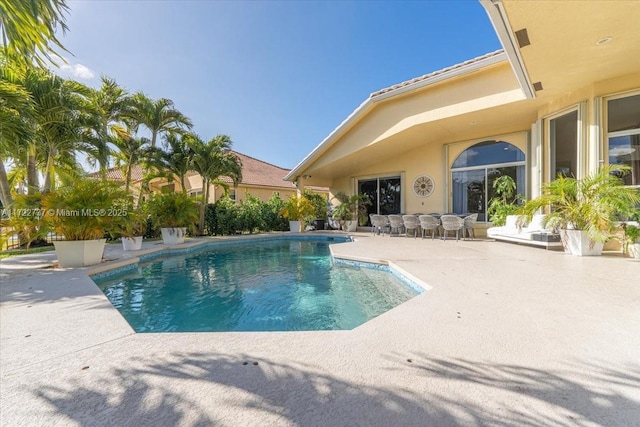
(259, 179)
(561, 97)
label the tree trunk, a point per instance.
(32, 172)
(5, 188)
(203, 206)
(49, 175)
(184, 189)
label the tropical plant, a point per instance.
(631, 235)
(158, 116)
(86, 210)
(297, 208)
(214, 160)
(129, 152)
(172, 210)
(25, 219)
(591, 204)
(319, 202)
(351, 208)
(103, 114)
(506, 202)
(28, 28)
(175, 160)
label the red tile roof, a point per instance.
(254, 172)
(257, 172)
(435, 73)
(117, 174)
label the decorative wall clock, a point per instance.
(423, 186)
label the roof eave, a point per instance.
(500, 22)
(455, 72)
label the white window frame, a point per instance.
(605, 123)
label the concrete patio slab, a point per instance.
(507, 335)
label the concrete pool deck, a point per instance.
(507, 335)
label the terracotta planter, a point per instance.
(132, 243)
(295, 226)
(173, 235)
(79, 253)
(577, 242)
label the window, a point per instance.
(232, 195)
(475, 169)
(623, 135)
(563, 137)
(195, 193)
(384, 194)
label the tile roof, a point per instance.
(257, 172)
(254, 172)
(435, 73)
(117, 174)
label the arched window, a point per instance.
(475, 169)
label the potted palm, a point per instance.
(585, 211)
(173, 213)
(296, 209)
(632, 240)
(351, 210)
(83, 213)
(134, 226)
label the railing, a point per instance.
(13, 241)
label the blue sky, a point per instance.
(277, 77)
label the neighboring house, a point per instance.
(562, 97)
(259, 179)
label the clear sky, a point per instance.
(277, 77)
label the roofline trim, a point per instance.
(456, 72)
(437, 78)
(500, 22)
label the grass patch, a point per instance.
(14, 252)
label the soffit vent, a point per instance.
(537, 86)
(523, 38)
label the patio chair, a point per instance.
(379, 223)
(469, 225)
(395, 223)
(452, 223)
(411, 222)
(429, 222)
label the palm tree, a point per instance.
(104, 115)
(15, 110)
(129, 153)
(158, 116)
(28, 28)
(214, 160)
(176, 160)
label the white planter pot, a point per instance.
(351, 226)
(295, 226)
(79, 253)
(132, 243)
(577, 242)
(634, 250)
(173, 235)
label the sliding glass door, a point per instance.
(384, 194)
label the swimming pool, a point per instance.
(262, 285)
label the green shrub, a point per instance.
(226, 217)
(506, 202)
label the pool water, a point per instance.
(265, 285)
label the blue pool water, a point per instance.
(265, 285)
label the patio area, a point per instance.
(507, 335)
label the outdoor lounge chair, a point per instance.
(411, 222)
(452, 223)
(395, 223)
(428, 222)
(379, 223)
